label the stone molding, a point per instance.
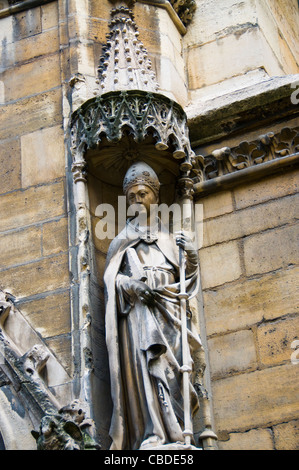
(37, 357)
(181, 11)
(255, 106)
(265, 148)
(16, 6)
(59, 427)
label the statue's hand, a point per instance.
(186, 243)
(138, 289)
(143, 292)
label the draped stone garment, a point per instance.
(144, 343)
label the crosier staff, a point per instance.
(186, 359)
(184, 242)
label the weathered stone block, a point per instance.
(39, 45)
(32, 205)
(42, 110)
(34, 278)
(6, 31)
(258, 398)
(100, 9)
(167, 29)
(207, 63)
(264, 190)
(247, 302)
(171, 83)
(251, 220)
(286, 436)
(20, 246)
(10, 165)
(219, 264)
(26, 23)
(28, 48)
(34, 77)
(232, 353)
(271, 250)
(217, 204)
(62, 349)
(43, 156)
(279, 21)
(55, 237)
(49, 15)
(49, 315)
(255, 439)
(211, 22)
(275, 339)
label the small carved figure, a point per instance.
(143, 323)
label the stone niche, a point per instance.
(106, 168)
(129, 119)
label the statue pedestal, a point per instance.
(170, 446)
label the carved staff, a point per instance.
(186, 366)
(186, 189)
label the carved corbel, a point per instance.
(185, 188)
(79, 170)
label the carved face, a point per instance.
(143, 195)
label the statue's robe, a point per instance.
(144, 343)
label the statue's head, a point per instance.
(141, 174)
(141, 186)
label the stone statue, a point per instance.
(143, 328)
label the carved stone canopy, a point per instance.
(136, 113)
(127, 102)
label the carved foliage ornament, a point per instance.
(265, 148)
(185, 9)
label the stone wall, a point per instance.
(34, 261)
(237, 44)
(249, 265)
(249, 271)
